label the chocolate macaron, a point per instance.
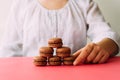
(55, 42)
(63, 52)
(68, 60)
(54, 61)
(46, 51)
(40, 61)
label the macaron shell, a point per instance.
(63, 54)
(40, 63)
(69, 58)
(54, 40)
(46, 50)
(63, 50)
(59, 45)
(57, 63)
(39, 58)
(46, 54)
(54, 59)
(68, 62)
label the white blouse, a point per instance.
(30, 25)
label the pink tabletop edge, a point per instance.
(22, 68)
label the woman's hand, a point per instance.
(91, 53)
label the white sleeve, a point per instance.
(11, 44)
(98, 29)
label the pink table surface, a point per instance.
(22, 68)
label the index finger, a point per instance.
(81, 57)
(82, 54)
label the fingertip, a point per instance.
(75, 63)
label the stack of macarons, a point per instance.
(63, 54)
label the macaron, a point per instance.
(54, 61)
(46, 51)
(55, 42)
(68, 60)
(40, 61)
(63, 51)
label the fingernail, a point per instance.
(75, 63)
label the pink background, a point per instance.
(24, 69)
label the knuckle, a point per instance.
(91, 45)
(85, 50)
(98, 48)
(78, 51)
